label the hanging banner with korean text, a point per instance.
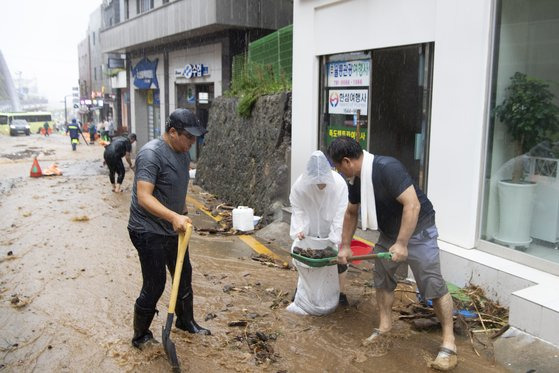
(347, 101)
(349, 73)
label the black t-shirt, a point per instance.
(119, 147)
(158, 164)
(390, 179)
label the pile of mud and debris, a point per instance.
(475, 316)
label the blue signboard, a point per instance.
(145, 74)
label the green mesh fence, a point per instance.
(273, 51)
(239, 63)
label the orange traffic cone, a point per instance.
(35, 169)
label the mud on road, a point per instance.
(69, 277)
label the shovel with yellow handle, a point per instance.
(168, 345)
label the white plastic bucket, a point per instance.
(243, 218)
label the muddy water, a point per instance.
(68, 288)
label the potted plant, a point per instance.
(530, 116)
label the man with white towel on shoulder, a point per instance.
(392, 203)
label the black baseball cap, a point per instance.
(184, 119)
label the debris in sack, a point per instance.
(328, 252)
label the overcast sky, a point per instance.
(40, 38)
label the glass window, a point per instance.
(521, 202)
(345, 97)
(144, 5)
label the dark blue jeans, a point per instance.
(157, 252)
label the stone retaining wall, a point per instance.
(245, 162)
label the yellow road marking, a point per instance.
(258, 247)
(200, 206)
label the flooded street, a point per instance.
(69, 276)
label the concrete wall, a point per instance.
(246, 161)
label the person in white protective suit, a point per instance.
(318, 199)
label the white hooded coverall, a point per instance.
(319, 214)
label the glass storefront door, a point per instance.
(521, 191)
(197, 98)
(390, 89)
(400, 106)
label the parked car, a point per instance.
(19, 126)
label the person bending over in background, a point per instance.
(120, 147)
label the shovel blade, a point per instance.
(169, 346)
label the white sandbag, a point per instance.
(318, 289)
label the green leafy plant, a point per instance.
(256, 80)
(529, 113)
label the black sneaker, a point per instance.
(343, 300)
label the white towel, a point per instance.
(368, 207)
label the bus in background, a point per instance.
(36, 120)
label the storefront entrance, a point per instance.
(400, 106)
(386, 94)
(197, 98)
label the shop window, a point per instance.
(345, 97)
(383, 96)
(521, 191)
(144, 5)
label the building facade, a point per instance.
(95, 101)
(178, 54)
(426, 82)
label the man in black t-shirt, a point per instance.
(156, 217)
(120, 147)
(406, 221)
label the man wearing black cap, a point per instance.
(158, 199)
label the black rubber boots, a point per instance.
(142, 321)
(185, 316)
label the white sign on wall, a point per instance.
(349, 73)
(193, 70)
(348, 101)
